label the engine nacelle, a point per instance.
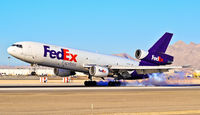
(141, 54)
(63, 72)
(98, 71)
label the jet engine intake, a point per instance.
(141, 54)
(99, 71)
(63, 72)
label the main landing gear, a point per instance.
(91, 83)
(94, 83)
(114, 83)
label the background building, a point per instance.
(28, 70)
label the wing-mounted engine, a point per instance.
(99, 71)
(153, 58)
(63, 72)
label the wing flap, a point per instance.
(147, 71)
(145, 67)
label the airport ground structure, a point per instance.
(28, 70)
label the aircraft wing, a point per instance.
(140, 69)
(146, 69)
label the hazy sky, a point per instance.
(105, 26)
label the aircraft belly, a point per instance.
(61, 64)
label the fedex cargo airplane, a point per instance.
(67, 61)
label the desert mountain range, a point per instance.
(126, 56)
(184, 54)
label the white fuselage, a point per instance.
(62, 57)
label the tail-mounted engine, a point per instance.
(152, 58)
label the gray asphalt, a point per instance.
(77, 99)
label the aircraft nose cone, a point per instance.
(10, 50)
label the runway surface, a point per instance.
(30, 97)
(76, 99)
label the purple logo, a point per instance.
(63, 54)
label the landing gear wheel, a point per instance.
(114, 83)
(90, 83)
(33, 73)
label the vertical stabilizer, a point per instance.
(161, 45)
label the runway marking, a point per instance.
(92, 88)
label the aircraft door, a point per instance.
(28, 53)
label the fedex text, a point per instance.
(159, 59)
(63, 54)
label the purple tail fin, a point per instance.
(161, 45)
(156, 54)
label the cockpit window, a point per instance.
(18, 45)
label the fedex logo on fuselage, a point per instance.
(102, 70)
(159, 59)
(64, 54)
